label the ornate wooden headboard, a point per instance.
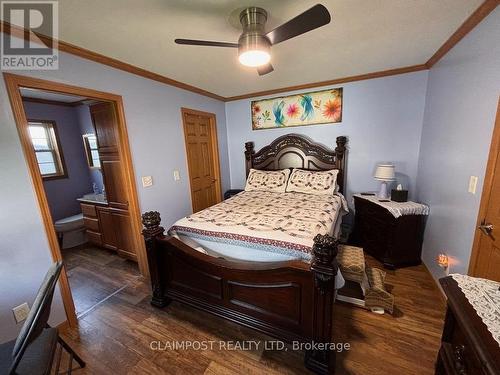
(298, 151)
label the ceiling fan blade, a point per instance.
(311, 19)
(265, 69)
(209, 43)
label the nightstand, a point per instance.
(391, 232)
(228, 194)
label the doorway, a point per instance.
(485, 259)
(200, 135)
(111, 218)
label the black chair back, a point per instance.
(38, 316)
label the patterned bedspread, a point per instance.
(279, 222)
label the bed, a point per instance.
(261, 259)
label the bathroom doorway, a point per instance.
(76, 146)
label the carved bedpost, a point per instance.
(152, 230)
(249, 152)
(324, 268)
(340, 152)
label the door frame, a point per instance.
(13, 84)
(215, 149)
(493, 159)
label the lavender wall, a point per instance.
(87, 127)
(462, 99)
(62, 193)
(381, 117)
(154, 124)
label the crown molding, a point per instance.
(361, 77)
(97, 57)
(472, 21)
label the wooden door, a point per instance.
(486, 253)
(116, 220)
(124, 236)
(105, 123)
(108, 234)
(200, 135)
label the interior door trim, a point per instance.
(215, 148)
(13, 83)
(493, 159)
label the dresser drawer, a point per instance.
(462, 354)
(91, 224)
(88, 210)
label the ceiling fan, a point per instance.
(254, 44)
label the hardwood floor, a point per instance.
(115, 337)
(94, 274)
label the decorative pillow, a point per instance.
(313, 182)
(274, 181)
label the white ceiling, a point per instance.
(364, 36)
(47, 95)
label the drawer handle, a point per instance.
(459, 359)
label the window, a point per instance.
(90, 144)
(47, 149)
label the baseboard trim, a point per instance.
(62, 326)
(436, 284)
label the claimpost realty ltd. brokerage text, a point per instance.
(250, 345)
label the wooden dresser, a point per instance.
(467, 347)
(396, 242)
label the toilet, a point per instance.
(70, 231)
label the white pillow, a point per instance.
(313, 182)
(274, 181)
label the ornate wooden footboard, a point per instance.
(291, 301)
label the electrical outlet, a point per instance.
(147, 181)
(177, 175)
(21, 312)
(473, 184)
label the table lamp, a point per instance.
(384, 173)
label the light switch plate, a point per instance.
(21, 312)
(177, 175)
(147, 181)
(473, 184)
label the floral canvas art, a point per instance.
(319, 107)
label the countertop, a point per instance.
(93, 198)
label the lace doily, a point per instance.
(398, 209)
(484, 296)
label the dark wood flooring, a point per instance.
(94, 274)
(115, 337)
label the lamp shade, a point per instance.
(385, 172)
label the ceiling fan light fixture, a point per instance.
(254, 44)
(254, 58)
(254, 49)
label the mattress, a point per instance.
(243, 254)
(262, 226)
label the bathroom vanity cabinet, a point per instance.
(108, 227)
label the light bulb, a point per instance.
(254, 58)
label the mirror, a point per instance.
(90, 144)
